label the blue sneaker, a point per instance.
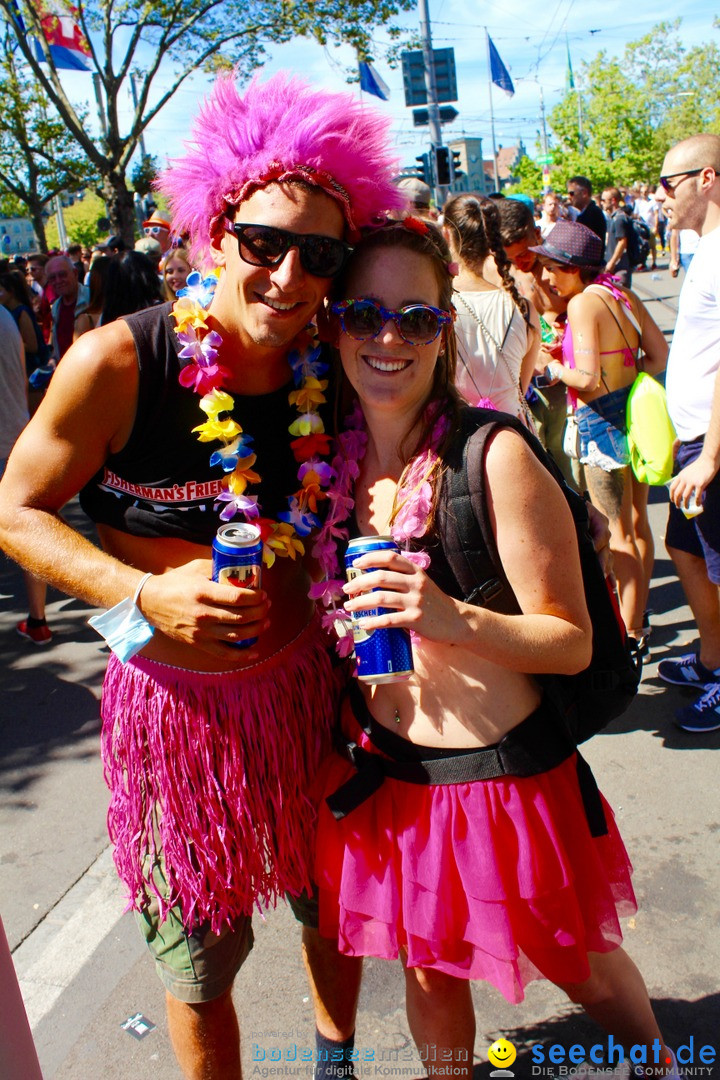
(687, 671)
(704, 715)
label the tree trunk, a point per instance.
(120, 206)
(36, 216)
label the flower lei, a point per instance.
(319, 481)
(205, 375)
(413, 500)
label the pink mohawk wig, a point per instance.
(281, 129)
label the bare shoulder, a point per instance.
(517, 481)
(508, 451)
(102, 360)
(586, 304)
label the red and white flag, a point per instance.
(69, 47)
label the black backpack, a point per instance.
(638, 238)
(605, 689)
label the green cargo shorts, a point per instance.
(198, 965)
(193, 965)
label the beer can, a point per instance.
(383, 656)
(237, 560)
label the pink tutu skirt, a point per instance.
(497, 880)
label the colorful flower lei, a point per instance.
(206, 376)
(319, 481)
(414, 503)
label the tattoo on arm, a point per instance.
(590, 374)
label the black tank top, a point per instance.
(161, 483)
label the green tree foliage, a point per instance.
(529, 177)
(11, 207)
(632, 109)
(81, 222)
(144, 173)
(139, 35)
(37, 158)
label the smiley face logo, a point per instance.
(502, 1053)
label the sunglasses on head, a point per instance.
(665, 181)
(266, 245)
(417, 324)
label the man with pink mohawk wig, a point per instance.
(279, 131)
(218, 700)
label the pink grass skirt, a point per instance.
(211, 771)
(497, 880)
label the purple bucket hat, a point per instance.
(574, 244)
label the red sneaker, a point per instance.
(39, 635)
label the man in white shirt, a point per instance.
(691, 180)
(646, 210)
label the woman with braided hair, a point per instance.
(498, 333)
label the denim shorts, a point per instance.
(603, 431)
(699, 536)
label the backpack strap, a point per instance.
(628, 312)
(465, 531)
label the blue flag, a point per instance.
(498, 72)
(371, 82)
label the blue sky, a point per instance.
(533, 49)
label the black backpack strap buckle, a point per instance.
(486, 593)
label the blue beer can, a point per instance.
(237, 560)
(383, 656)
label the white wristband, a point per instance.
(124, 626)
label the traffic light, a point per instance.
(443, 166)
(456, 170)
(423, 168)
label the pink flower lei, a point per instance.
(206, 376)
(414, 502)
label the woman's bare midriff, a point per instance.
(286, 584)
(455, 698)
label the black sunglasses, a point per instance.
(266, 245)
(670, 188)
(417, 324)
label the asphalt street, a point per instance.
(94, 1003)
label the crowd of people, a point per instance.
(342, 351)
(56, 298)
